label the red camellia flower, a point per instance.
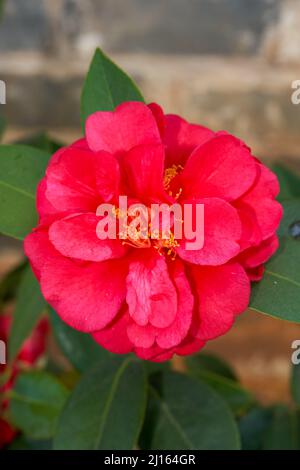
(154, 297)
(31, 351)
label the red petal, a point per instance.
(151, 295)
(47, 212)
(159, 117)
(78, 180)
(154, 354)
(181, 138)
(107, 175)
(7, 433)
(157, 354)
(251, 233)
(261, 198)
(222, 229)
(87, 296)
(256, 274)
(215, 168)
(35, 346)
(176, 332)
(39, 250)
(223, 293)
(131, 124)
(141, 336)
(144, 170)
(258, 255)
(71, 181)
(114, 337)
(190, 346)
(80, 144)
(76, 237)
(166, 338)
(5, 324)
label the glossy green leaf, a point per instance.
(278, 294)
(81, 350)
(42, 141)
(36, 404)
(155, 367)
(209, 363)
(289, 182)
(253, 427)
(10, 283)
(239, 399)
(187, 414)
(29, 307)
(21, 443)
(106, 409)
(105, 87)
(221, 378)
(21, 168)
(283, 432)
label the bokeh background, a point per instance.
(227, 64)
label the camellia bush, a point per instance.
(121, 309)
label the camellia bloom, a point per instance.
(31, 351)
(156, 298)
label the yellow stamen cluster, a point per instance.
(169, 175)
(164, 244)
(169, 243)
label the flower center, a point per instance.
(169, 175)
(167, 245)
(144, 236)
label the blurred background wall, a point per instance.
(228, 64)
(224, 63)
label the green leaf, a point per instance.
(29, 307)
(253, 427)
(10, 283)
(221, 378)
(106, 409)
(21, 443)
(186, 414)
(152, 368)
(209, 363)
(36, 403)
(239, 399)
(21, 168)
(295, 383)
(283, 432)
(289, 182)
(42, 141)
(105, 87)
(81, 350)
(278, 294)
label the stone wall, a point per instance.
(228, 64)
(156, 26)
